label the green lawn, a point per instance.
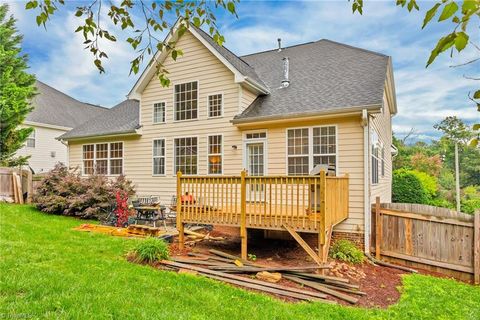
(47, 270)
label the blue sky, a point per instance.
(424, 96)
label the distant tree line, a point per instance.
(425, 172)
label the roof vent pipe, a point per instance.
(279, 44)
(286, 66)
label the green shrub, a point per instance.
(440, 202)
(471, 192)
(151, 250)
(470, 205)
(346, 251)
(408, 188)
(429, 183)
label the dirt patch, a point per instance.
(381, 284)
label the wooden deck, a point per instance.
(311, 204)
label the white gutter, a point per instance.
(366, 179)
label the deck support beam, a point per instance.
(317, 258)
(243, 214)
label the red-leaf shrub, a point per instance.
(66, 192)
(122, 211)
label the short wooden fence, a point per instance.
(432, 238)
(16, 185)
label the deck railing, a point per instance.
(305, 203)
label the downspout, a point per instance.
(68, 152)
(366, 180)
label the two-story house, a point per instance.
(278, 112)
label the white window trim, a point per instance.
(175, 154)
(310, 147)
(255, 140)
(164, 110)
(209, 154)
(221, 107)
(164, 158)
(108, 159)
(174, 102)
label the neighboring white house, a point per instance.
(54, 114)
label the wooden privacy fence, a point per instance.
(15, 185)
(432, 238)
(294, 203)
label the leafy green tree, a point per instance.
(455, 130)
(16, 90)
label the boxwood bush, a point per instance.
(408, 188)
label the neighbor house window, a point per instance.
(215, 154)
(159, 157)
(31, 139)
(298, 153)
(186, 101)
(308, 147)
(215, 105)
(103, 158)
(159, 112)
(186, 152)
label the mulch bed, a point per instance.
(380, 284)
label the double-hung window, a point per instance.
(186, 101)
(308, 147)
(186, 155)
(298, 151)
(159, 112)
(376, 157)
(103, 158)
(215, 105)
(159, 156)
(324, 146)
(215, 154)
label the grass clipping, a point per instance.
(150, 250)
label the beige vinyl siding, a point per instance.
(41, 159)
(350, 160)
(197, 64)
(382, 124)
(246, 98)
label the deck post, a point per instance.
(322, 227)
(378, 229)
(243, 213)
(180, 226)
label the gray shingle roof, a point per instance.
(241, 65)
(121, 119)
(56, 108)
(324, 76)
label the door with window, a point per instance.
(255, 163)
